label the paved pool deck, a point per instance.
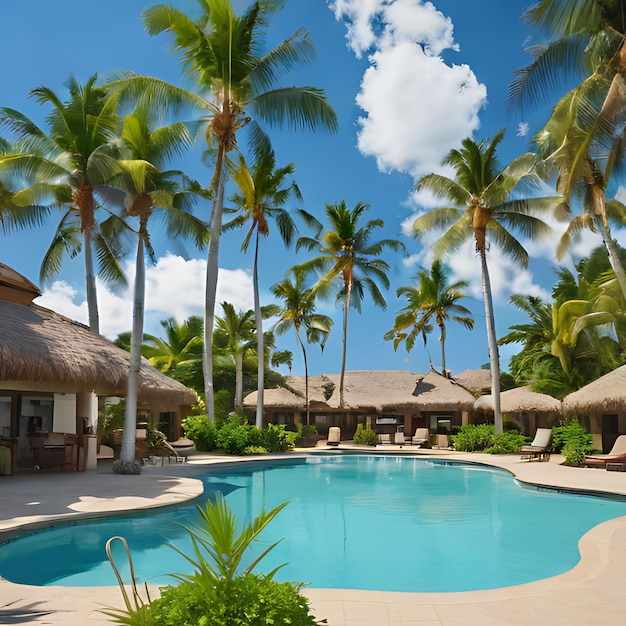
(594, 592)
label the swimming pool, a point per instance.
(389, 523)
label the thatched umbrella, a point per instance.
(41, 347)
(607, 394)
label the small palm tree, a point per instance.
(299, 312)
(77, 152)
(349, 262)
(263, 192)
(237, 332)
(434, 298)
(483, 208)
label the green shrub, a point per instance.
(274, 438)
(202, 431)
(255, 450)
(247, 599)
(365, 436)
(234, 436)
(509, 442)
(573, 441)
(474, 438)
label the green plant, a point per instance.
(275, 438)
(474, 437)
(509, 442)
(235, 436)
(573, 441)
(255, 450)
(365, 436)
(201, 431)
(219, 592)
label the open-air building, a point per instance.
(387, 401)
(53, 370)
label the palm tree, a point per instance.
(237, 331)
(222, 52)
(148, 188)
(78, 153)
(434, 298)
(263, 192)
(299, 312)
(583, 42)
(483, 209)
(347, 256)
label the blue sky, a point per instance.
(408, 81)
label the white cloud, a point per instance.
(416, 106)
(522, 129)
(175, 288)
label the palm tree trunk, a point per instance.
(259, 336)
(442, 339)
(306, 379)
(127, 453)
(494, 359)
(345, 342)
(239, 380)
(92, 298)
(211, 281)
(610, 244)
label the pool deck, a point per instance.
(591, 593)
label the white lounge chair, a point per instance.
(334, 436)
(540, 446)
(421, 437)
(384, 438)
(398, 439)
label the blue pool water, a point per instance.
(359, 522)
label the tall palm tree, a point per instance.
(348, 261)
(237, 331)
(222, 52)
(483, 209)
(149, 188)
(435, 298)
(263, 192)
(77, 152)
(298, 312)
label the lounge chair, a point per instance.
(540, 446)
(334, 436)
(384, 438)
(616, 455)
(421, 437)
(399, 439)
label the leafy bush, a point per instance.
(202, 431)
(234, 436)
(573, 441)
(274, 438)
(365, 436)
(247, 599)
(509, 442)
(474, 438)
(255, 450)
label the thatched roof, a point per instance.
(40, 346)
(607, 394)
(378, 390)
(476, 381)
(518, 400)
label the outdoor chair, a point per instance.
(334, 436)
(616, 455)
(421, 437)
(384, 438)
(399, 439)
(540, 446)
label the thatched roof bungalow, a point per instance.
(528, 409)
(386, 400)
(52, 369)
(601, 407)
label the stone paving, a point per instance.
(591, 593)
